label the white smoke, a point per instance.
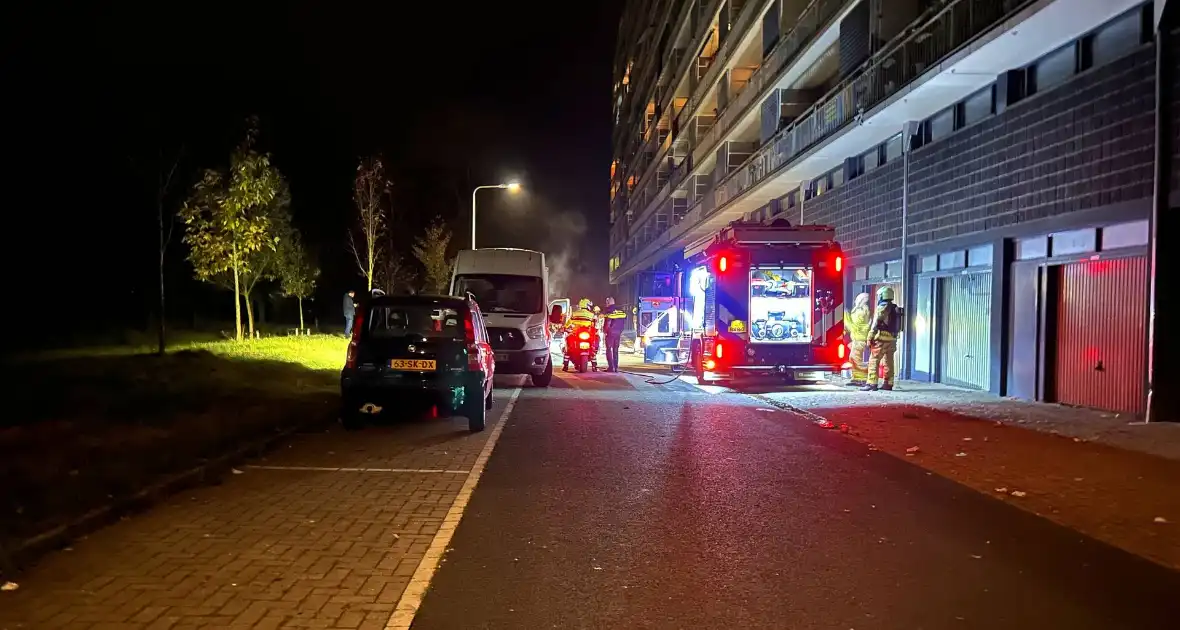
(566, 230)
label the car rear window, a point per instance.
(430, 320)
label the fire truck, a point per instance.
(767, 300)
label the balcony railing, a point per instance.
(811, 21)
(741, 26)
(947, 30)
(678, 72)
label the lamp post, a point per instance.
(511, 187)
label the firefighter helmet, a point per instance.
(584, 304)
(885, 294)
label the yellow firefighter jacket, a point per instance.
(857, 323)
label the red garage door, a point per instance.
(1101, 334)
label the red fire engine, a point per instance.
(768, 301)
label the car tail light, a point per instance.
(718, 351)
(357, 325)
(710, 364)
(839, 263)
(840, 351)
(473, 362)
(583, 335)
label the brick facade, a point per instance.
(865, 211)
(1085, 144)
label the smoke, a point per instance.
(566, 230)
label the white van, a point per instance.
(511, 287)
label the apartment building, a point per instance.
(992, 160)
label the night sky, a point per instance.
(451, 95)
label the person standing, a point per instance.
(857, 323)
(615, 319)
(883, 341)
(349, 312)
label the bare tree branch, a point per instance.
(369, 189)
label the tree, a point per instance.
(265, 263)
(297, 272)
(393, 274)
(431, 250)
(164, 175)
(228, 219)
(370, 189)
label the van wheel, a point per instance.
(543, 379)
(476, 413)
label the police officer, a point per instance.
(883, 340)
(615, 320)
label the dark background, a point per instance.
(450, 95)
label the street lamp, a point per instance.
(511, 187)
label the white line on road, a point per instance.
(374, 470)
(411, 599)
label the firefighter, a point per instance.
(615, 320)
(883, 340)
(582, 316)
(857, 323)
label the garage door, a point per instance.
(1101, 334)
(966, 325)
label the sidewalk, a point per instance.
(1092, 471)
(323, 533)
(1161, 439)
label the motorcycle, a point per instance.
(581, 348)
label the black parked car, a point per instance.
(412, 348)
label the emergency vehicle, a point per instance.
(767, 300)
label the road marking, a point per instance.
(411, 599)
(372, 470)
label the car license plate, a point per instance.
(413, 365)
(501, 356)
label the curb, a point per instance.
(15, 559)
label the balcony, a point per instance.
(819, 20)
(947, 54)
(817, 28)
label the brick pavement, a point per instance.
(279, 547)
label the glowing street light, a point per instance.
(510, 187)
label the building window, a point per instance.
(836, 177)
(893, 148)
(1053, 69)
(871, 159)
(1115, 39)
(978, 106)
(942, 124)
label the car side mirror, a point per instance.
(555, 314)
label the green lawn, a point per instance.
(317, 352)
(82, 427)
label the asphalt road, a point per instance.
(608, 503)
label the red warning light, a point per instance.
(840, 349)
(722, 264)
(839, 263)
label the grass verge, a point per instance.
(87, 429)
